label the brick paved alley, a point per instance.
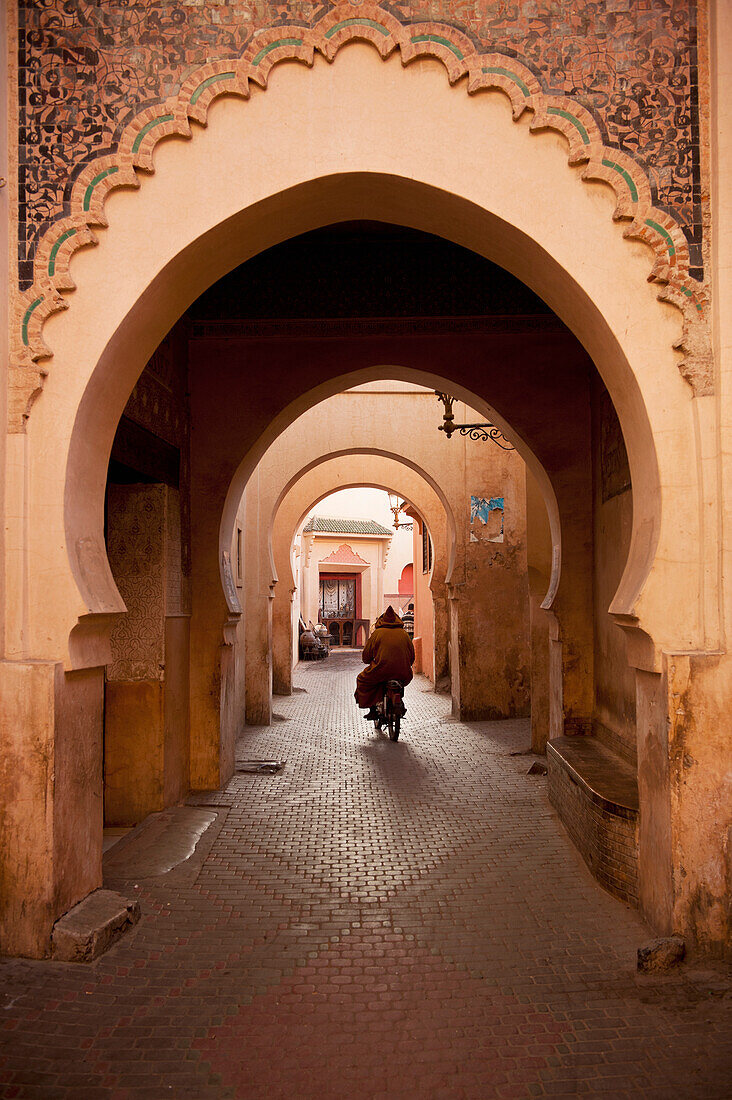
(376, 920)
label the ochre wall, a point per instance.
(614, 713)
(50, 760)
(539, 562)
(493, 636)
(77, 777)
(146, 731)
(424, 608)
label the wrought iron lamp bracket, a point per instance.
(483, 432)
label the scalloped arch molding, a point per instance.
(373, 24)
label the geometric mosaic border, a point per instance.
(371, 23)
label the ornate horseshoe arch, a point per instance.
(344, 23)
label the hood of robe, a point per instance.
(389, 618)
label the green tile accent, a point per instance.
(690, 294)
(274, 45)
(207, 84)
(54, 251)
(626, 176)
(147, 128)
(575, 122)
(357, 23)
(513, 76)
(27, 318)
(441, 41)
(94, 182)
(665, 234)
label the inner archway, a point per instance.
(317, 427)
(317, 484)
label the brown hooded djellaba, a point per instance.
(389, 654)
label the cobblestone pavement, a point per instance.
(376, 920)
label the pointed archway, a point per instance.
(453, 165)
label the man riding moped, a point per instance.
(389, 654)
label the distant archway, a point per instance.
(349, 470)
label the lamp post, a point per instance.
(396, 505)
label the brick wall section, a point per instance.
(603, 830)
(614, 741)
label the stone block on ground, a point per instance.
(661, 954)
(92, 926)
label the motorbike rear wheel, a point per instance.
(394, 721)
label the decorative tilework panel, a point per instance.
(86, 67)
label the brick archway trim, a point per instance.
(370, 23)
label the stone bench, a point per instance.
(595, 794)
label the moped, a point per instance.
(391, 709)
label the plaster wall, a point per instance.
(400, 555)
(50, 758)
(707, 836)
(237, 630)
(429, 625)
(614, 716)
(8, 234)
(539, 563)
(256, 600)
(179, 179)
(77, 780)
(492, 642)
(146, 728)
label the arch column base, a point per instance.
(51, 772)
(684, 714)
(540, 622)
(282, 643)
(487, 684)
(258, 661)
(441, 611)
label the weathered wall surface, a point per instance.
(147, 690)
(431, 659)
(700, 753)
(51, 760)
(27, 739)
(492, 642)
(539, 562)
(614, 712)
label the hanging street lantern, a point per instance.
(397, 505)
